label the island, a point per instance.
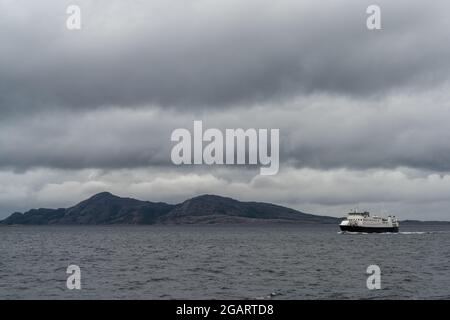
(106, 208)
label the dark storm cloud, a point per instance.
(214, 53)
(362, 114)
(322, 132)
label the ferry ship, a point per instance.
(363, 222)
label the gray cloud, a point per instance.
(321, 132)
(362, 114)
(212, 54)
(405, 192)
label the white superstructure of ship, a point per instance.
(363, 222)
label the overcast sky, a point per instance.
(363, 114)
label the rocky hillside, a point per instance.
(106, 208)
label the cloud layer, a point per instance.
(212, 54)
(405, 192)
(321, 131)
(362, 114)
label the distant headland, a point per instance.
(105, 209)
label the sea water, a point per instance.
(222, 262)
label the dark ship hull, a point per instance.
(368, 229)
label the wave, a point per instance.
(393, 233)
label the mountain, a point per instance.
(106, 208)
(212, 208)
(102, 208)
(419, 222)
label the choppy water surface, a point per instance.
(222, 262)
